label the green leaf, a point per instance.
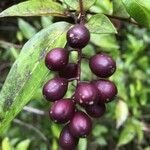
(29, 71)
(138, 125)
(127, 135)
(35, 8)
(82, 144)
(23, 145)
(147, 148)
(106, 41)
(75, 4)
(55, 130)
(121, 112)
(139, 10)
(55, 145)
(27, 30)
(100, 24)
(119, 9)
(46, 21)
(99, 130)
(6, 144)
(104, 7)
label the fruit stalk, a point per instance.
(81, 12)
(79, 65)
(80, 50)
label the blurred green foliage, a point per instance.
(126, 125)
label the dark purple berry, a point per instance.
(96, 110)
(66, 140)
(70, 71)
(107, 90)
(85, 94)
(78, 36)
(62, 110)
(80, 125)
(55, 89)
(102, 65)
(56, 59)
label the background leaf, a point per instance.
(119, 9)
(103, 6)
(121, 112)
(139, 10)
(27, 30)
(82, 144)
(75, 4)
(35, 8)
(23, 145)
(127, 135)
(108, 42)
(46, 21)
(99, 24)
(29, 71)
(6, 144)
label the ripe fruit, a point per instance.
(55, 89)
(70, 71)
(78, 36)
(96, 110)
(92, 95)
(66, 140)
(85, 94)
(56, 59)
(102, 65)
(107, 90)
(80, 125)
(62, 111)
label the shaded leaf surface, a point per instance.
(119, 9)
(75, 4)
(35, 8)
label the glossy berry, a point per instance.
(96, 110)
(107, 90)
(78, 36)
(55, 89)
(102, 65)
(56, 59)
(66, 140)
(86, 94)
(70, 71)
(80, 125)
(62, 111)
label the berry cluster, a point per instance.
(91, 96)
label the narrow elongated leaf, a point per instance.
(35, 8)
(75, 4)
(27, 30)
(29, 71)
(99, 24)
(139, 10)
